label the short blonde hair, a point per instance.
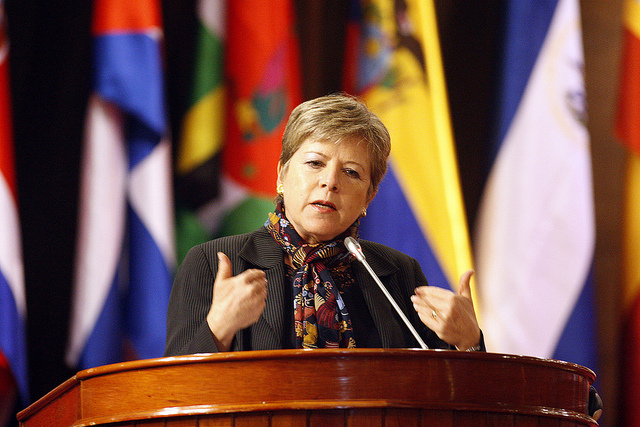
(336, 118)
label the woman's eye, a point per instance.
(314, 163)
(352, 173)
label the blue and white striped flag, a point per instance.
(536, 230)
(125, 251)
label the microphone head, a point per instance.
(354, 247)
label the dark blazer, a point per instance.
(187, 329)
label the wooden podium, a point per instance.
(322, 388)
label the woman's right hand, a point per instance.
(237, 303)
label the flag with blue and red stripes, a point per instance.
(535, 236)
(13, 306)
(125, 248)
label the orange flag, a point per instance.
(628, 129)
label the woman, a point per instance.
(292, 283)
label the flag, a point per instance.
(125, 250)
(198, 159)
(13, 306)
(628, 129)
(535, 228)
(248, 65)
(394, 65)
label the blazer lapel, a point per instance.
(390, 326)
(263, 252)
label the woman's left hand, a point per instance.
(451, 316)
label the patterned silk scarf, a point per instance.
(321, 318)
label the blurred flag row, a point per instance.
(535, 230)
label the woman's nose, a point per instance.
(329, 179)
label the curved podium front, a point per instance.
(322, 388)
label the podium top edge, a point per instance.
(330, 354)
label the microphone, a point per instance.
(354, 247)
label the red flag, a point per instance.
(628, 129)
(264, 86)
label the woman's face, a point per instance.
(325, 187)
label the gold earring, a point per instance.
(280, 189)
(364, 212)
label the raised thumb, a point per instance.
(464, 287)
(224, 267)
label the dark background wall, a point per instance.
(50, 67)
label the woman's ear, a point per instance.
(370, 198)
(279, 181)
